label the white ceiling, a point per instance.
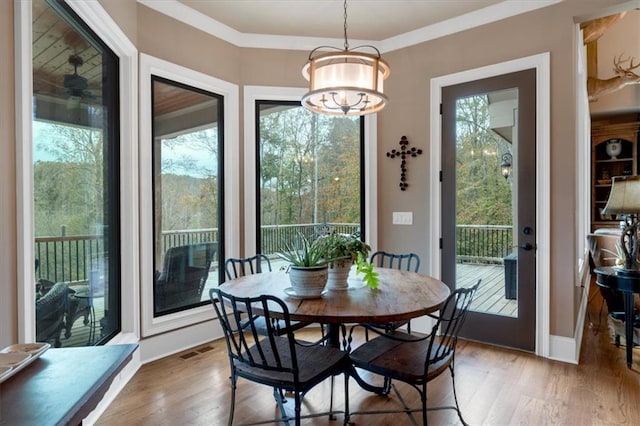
(366, 19)
(299, 24)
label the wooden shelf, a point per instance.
(603, 167)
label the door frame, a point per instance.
(541, 63)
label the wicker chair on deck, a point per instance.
(50, 314)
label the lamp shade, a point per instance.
(625, 196)
(345, 83)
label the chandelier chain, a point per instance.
(346, 43)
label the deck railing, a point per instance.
(70, 258)
(483, 243)
(67, 258)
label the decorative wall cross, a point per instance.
(404, 152)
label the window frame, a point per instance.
(152, 66)
(101, 23)
(272, 93)
(219, 254)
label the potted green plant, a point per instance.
(308, 269)
(343, 250)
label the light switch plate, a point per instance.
(403, 218)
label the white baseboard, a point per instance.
(166, 344)
(567, 349)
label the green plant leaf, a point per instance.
(370, 277)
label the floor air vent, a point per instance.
(188, 355)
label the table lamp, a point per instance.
(624, 200)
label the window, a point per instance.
(75, 180)
(310, 174)
(188, 192)
(258, 100)
(187, 181)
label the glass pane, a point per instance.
(486, 146)
(310, 175)
(75, 154)
(186, 182)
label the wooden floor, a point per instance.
(495, 387)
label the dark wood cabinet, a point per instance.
(604, 166)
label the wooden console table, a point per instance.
(628, 284)
(63, 386)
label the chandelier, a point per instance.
(345, 82)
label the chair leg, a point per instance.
(386, 387)
(233, 399)
(298, 409)
(346, 397)
(331, 415)
(455, 396)
(423, 399)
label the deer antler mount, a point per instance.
(625, 76)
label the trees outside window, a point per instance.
(310, 173)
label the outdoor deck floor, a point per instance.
(491, 293)
(490, 298)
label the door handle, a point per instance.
(527, 247)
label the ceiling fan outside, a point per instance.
(76, 85)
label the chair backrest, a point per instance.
(407, 262)
(248, 346)
(452, 315)
(50, 311)
(185, 272)
(238, 267)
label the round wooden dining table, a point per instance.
(400, 296)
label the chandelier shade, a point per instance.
(345, 82)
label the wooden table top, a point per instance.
(401, 295)
(63, 386)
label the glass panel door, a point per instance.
(486, 143)
(489, 204)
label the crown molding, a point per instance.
(489, 14)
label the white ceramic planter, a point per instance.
(308, 281)
(338, 274)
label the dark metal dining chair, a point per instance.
(236, 267)
(280, 362)
(404, 261)
(418, 359)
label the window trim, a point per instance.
(149, 66)
(272, 93)
(94, 15)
